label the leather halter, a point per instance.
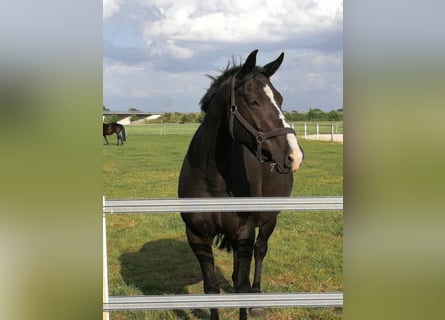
(259, 135)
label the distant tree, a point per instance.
(176, 117)
(186, 117)
(333, 116)
(166, 117)
(133, 110)
(111, 118)
(296, 116)
(200, 117)
(288, 115)
(314, 114)
(105, 108)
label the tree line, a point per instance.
(314, 114)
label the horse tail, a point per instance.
(124, 133)
(223, 242)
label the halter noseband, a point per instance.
(259, 135)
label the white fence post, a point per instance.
(332, 131)
(105, 313)
(305, 131)
(318, 132)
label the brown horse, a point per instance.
(243, 148)
(118, 129)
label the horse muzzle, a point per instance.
(294, 160)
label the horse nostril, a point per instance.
(291, 158)
(293, 161)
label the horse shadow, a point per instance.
(166, 266)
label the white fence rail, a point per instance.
(144, 206)
(320, 131)
(204, 301)
(222, 204)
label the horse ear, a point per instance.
(273, 66)
(248, 65)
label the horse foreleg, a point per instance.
(106, 140)
(242, 257)
(205, 257)
(242, 311)
(203, 252)
(260, 251)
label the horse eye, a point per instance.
(253, 103)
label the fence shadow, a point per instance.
(164, 266)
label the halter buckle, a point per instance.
(260, 137)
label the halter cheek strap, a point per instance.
(259, 135)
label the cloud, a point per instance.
(110, 7)
(179, 28)
(154, 49)
(170, 48)
(132, 55)
(248, 20)
(147, 88)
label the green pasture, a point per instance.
(149, 254)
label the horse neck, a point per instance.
(214, 137)
(215, 131)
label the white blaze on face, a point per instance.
(295, 152)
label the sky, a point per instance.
(157, 53)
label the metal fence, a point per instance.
(320, 131)
(154, 302)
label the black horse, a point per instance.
(118, 129)
(243, 148)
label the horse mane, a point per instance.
(230, 70)
(227, 72)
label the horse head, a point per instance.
(255, 118)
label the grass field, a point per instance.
(149, 254)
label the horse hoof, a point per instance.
(256, 312)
